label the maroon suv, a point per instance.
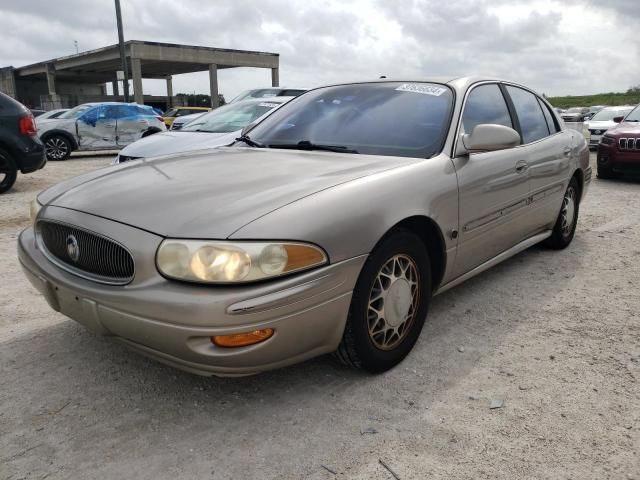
(619, 148)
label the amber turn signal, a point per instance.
(242, 339)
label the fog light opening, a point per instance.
(242, 339)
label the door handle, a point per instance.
(521, 167)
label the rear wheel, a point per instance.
(389, 304)
(8, 172)
(57, 147)
(565, 227)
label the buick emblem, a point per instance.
(73, 249)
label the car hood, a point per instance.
(625, 128)
(600, 125)
(166, 143)
(210, 194)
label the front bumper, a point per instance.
(173, 322)
(621, 161)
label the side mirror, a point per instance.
(618, 119)
(488, 137)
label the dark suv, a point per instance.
(20, 147)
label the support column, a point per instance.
(169, 92)
(275, 77)
(213, 85)
(136, 74)
(54, 100)
(51, 79)
(115, 87)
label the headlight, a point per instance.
(234, 262)
(34, 208)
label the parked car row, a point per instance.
(326, 226)
(580, 114)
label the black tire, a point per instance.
(360, 349)
(57, 147)
(563, 231)
(605, 173)
(8, 171)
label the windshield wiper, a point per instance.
(307, 145)
(248, 141)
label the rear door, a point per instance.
(132, 122)
(96, 128)
(493, 186)
(548, 150)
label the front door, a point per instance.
(493, 186)
(97, 128)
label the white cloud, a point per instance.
(554, 46)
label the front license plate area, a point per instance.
(80, 309)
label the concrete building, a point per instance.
(69, 81)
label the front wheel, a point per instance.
(8, 172)
(389, 304)
(565, 227)
(57, 147)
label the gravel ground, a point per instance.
(550, 337)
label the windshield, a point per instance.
(258, 93)
(230, 118)
(76, 111)
(606, 114)
(388, 118)
(576, 110)
(634, 115)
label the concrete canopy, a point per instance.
(145, 60)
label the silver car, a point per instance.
(212, 129)
(328, 227)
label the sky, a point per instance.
(557, 47)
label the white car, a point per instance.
(180, 122)
(213, 129)
(602, 121)
(269, 92)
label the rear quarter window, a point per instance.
(533, 125)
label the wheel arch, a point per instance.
(578, 174)
(431, 235)
(63, 133)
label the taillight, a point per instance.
(28, 125)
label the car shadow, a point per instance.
(63, 384)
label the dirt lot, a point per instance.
(552, 335)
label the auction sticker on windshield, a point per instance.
(266, 104)
(424, 89)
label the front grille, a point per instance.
(629, 143)
(85, 253)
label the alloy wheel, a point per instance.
(568, 211)
(56, 148)
(393, 302)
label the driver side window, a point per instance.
(485, 104)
